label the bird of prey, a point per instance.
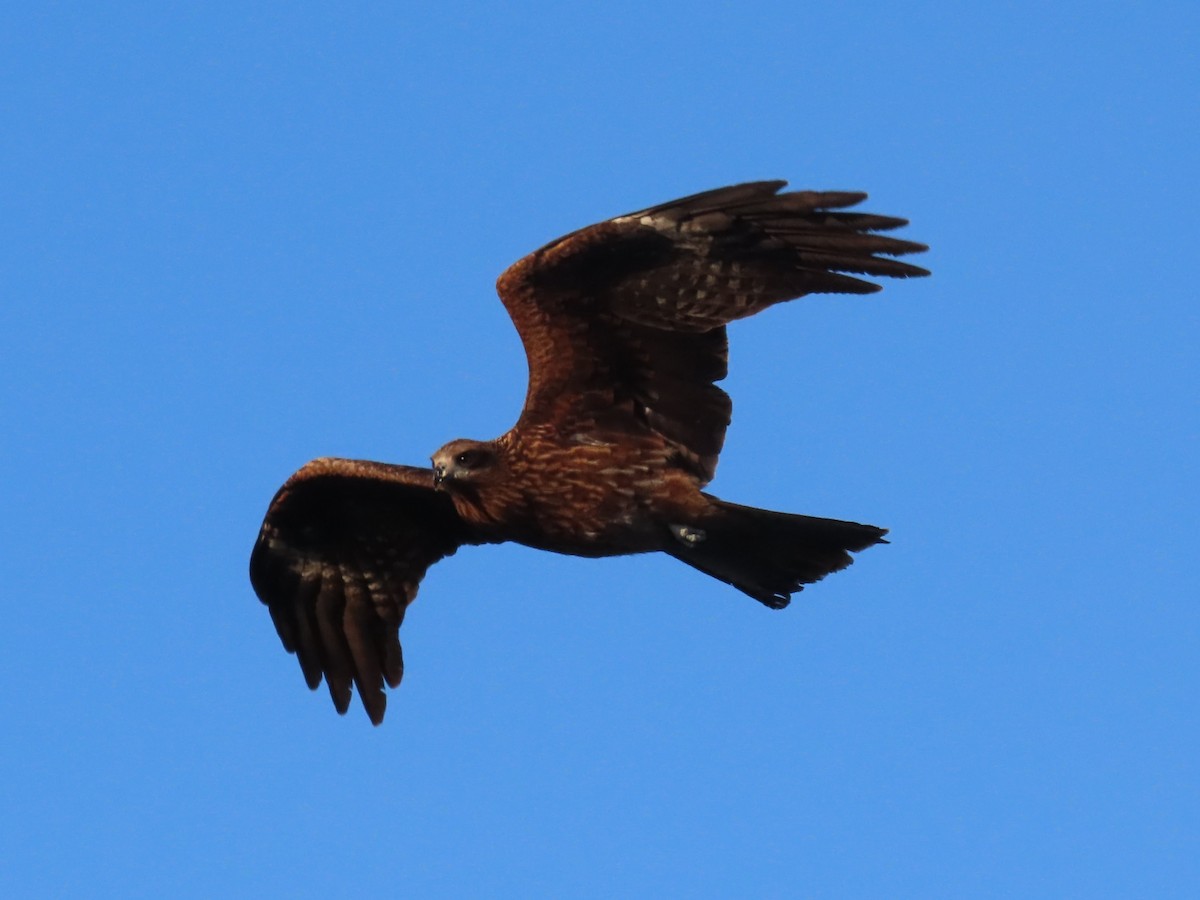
(623, 324)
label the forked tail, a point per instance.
(769, 555)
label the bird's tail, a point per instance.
(769, 555)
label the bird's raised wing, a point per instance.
(623, 321)
(339, 557)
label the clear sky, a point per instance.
(241, 235)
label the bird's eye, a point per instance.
(471, 459)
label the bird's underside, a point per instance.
(623, 325)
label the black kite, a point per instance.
(623, 325)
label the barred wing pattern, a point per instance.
(340, 555)
(623, 321)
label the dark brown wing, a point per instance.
(341, 552)
(623, 321)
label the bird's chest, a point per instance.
(591, 499)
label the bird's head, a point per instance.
(461, 463)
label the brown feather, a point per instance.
(338, 676)
(341, 551)
(628, 307)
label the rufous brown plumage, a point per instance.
(623, 325)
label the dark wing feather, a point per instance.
(623, 321)
(341, 552)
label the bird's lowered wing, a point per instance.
(623, 321)
(339, 557)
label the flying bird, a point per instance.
(623, 324)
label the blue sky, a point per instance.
(239, 236)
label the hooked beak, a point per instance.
(439, 475)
